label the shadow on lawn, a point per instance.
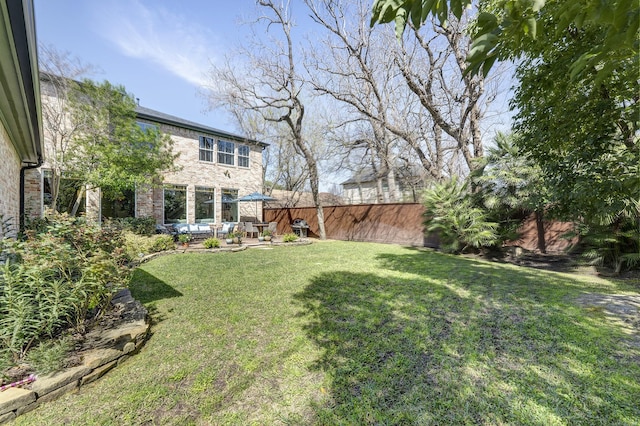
(148, 288)
(462, 342)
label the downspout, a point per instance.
(22, 197)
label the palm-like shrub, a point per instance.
(450, 213)
(510, 186)
(615, 245)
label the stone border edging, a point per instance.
(109, 349)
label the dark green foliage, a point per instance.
(506, 29)
(509, 185)
(60, 272)
(49, 356)
(137, 225)
(162, 243)
(108, 149)
(616, 246)
(583, 136)
(582, 131)
(450, 213)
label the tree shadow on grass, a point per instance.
(454, 341)
(148, 288)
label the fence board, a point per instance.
(399, 224)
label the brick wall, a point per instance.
(33, 193)
(9, 181)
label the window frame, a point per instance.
(174, 187)
(205, 190)
(242, 158)
(230, 193)
(224, 154)
(208, 152)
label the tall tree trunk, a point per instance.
(76, 204)
(315, 192)
(542, 244)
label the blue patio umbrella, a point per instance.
(256, 197)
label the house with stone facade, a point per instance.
(21, 145)
(214, 168)
(365, 188)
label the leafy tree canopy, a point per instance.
(505, 28)
(112, 151)
(584, 135)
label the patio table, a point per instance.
(261, 226)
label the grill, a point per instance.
(300, 227)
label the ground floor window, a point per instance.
(175, 204)
(118, 205)
(205, 205)
(71, 194)
(229, 205)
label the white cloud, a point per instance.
(164, 37)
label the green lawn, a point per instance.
(358, 333)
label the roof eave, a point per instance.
(177, 122)
(20, 107)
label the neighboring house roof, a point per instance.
(359, 178)
(160, 117)
(20, 108)
(368, 176)
(284, 199)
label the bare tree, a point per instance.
(432, 62)
(60, 73)
(414, 94)
(273, 87)
(350, 70)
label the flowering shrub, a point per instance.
(61, 272)
(138, 225)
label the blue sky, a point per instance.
(159, 50)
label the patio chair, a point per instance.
(240, 228)
(249, 229)
(273, 226)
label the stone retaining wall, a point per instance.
(105, 349)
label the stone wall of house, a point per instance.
(92, 203)
(192, 172)
(9, 182)
(33, 193)
(144, 202)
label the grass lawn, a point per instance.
(357, 333)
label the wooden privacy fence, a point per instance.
(398, 224)
(381, 223)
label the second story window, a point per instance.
(226, 152)
(146, 126)
(243, 155)
(206, 149)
